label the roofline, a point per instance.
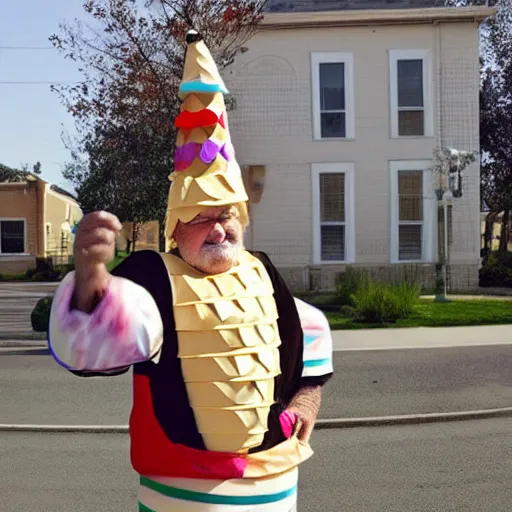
(64, 197)
(11, 183)
(291, 20)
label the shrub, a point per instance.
(408, 295)
(497, 271)
(44, 265)
(348, 311)
(382, 303)
(40, 316)
(348, 283)
(12, 277)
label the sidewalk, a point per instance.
(388, 339)
(422, 337)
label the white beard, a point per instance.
(213, 255)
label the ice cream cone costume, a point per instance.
(228, 345)
(206, 171)
(215, 358)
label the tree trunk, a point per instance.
(135, 234)
(128, 246)
(161, 238)
(489, 230)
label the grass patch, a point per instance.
(319, 299)
(430, 314)
(121, 255)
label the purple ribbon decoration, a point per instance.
(207, 152)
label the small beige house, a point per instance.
(36, 220)
(337, 116)
(148, 237)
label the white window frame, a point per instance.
(334, 168)
(333, 58)
(24, 253)
(429, 210)
(428, 105)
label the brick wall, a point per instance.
(461, 278)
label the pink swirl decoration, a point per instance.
(207, 152)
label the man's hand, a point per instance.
(305, 406)
(93, 249)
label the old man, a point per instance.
(227, 366)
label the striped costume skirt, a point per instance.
(272, 494)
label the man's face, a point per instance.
(212, 241)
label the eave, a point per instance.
(293, 20)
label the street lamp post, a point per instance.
(449, 167)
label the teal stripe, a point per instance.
(143, 508)
(309, 338)
(216, 499)
(200, 87)
(316, 362)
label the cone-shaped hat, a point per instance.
(206, 172)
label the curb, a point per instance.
(413, 419)
(321, 424)
(28, 344)
(63, 429)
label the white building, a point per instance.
(337, 116)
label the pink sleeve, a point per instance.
(125, 328)
(287, 420)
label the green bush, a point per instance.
(348, 283)
(385, 303)
(12, 277)
(40, 316)
(348, 311)
(497, 271)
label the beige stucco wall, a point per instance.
(20, 201)
(272, 126)
(58, 210)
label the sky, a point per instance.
(32, 117)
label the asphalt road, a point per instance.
(34, 389)
(17, 300)
(447, 467)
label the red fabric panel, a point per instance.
(153, 454)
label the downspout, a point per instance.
(438, 49)
(439, 138)
(45, 241)
(438, 143)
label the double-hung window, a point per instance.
(333, 213)
(12, 236)
(412, 210)
(333, 95)
(411, 96)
